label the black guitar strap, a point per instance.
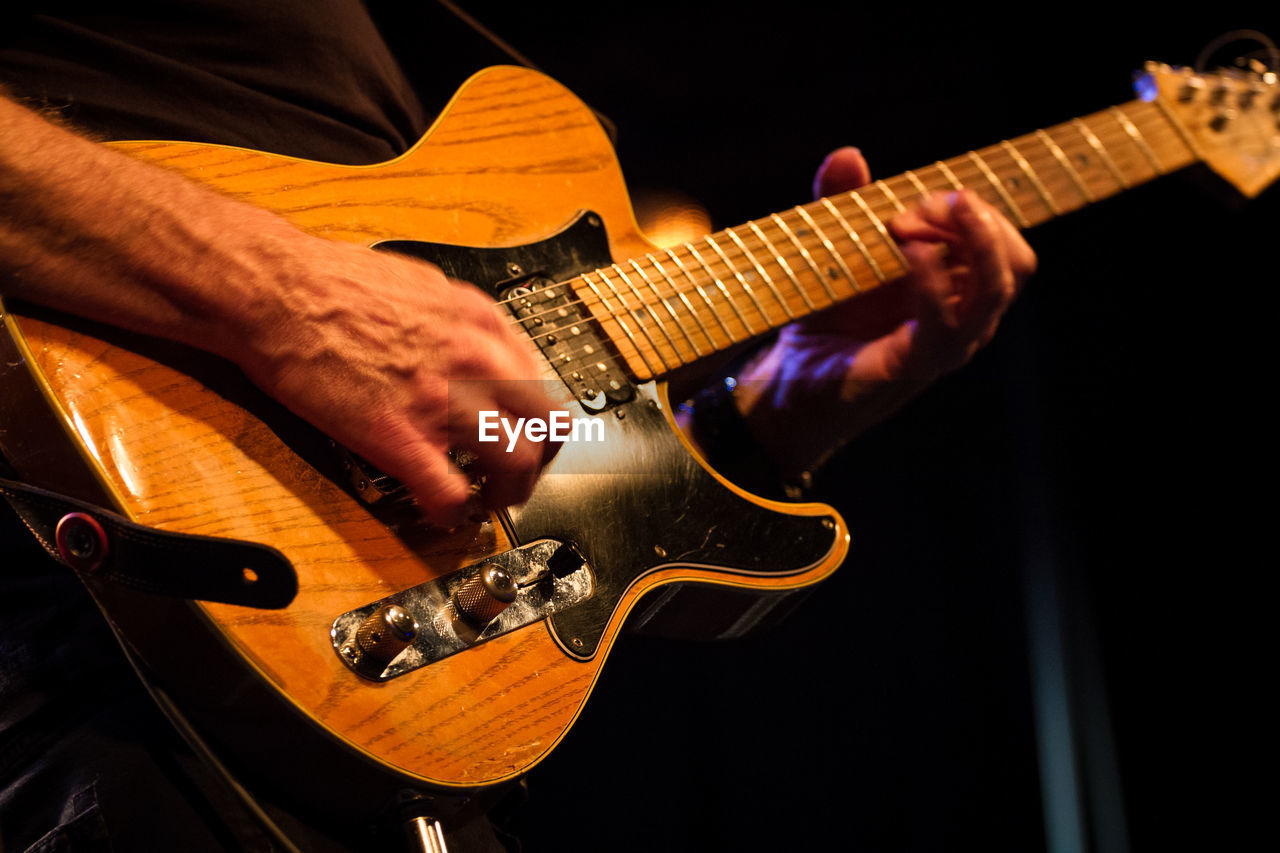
(103, 546)
(503, 45)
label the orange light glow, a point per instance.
(669, 217)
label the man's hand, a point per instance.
(394, 361)
(383, 354)
(834, 374)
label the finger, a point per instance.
(1022, 258)
(530, 399)
(508, 457)
(844, 169)
(935, 297)
(991, 277)
(511, 471)
(930, 220)
(440, 489)
(941, 211)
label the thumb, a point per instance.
(844, 169)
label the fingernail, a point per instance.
(952, 197)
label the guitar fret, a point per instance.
(724, 290)
(706, 333)
(698, 286)
(617, 318)
(742, 280)
(1164, 136)
(826, 244)
(1097, 146)
(857, 241)
(637, 316)
(1014, 179)
(917, 183)
(1095, 156)
(1013, 208)
(1179, 129)
(675, 318)
(662, 327)
(949, 175)
(1032, 177)
(1062, 158)
(804, 255)
(760, 270)
(884, 235)
(1137, 138)
(783, 263)
(889, 194)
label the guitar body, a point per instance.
(180, 441)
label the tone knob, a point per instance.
(385, 634)
(485, 594)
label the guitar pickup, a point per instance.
(569, 338)
(434, 620)
(371, 485)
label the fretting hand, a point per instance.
(831, 376)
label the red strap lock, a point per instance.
(81, 541)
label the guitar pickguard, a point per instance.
(178, 440)
(640, 502)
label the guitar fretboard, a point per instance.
(674, 306)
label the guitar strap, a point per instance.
(102, 546)
(503, 45)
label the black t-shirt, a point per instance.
(333, 80)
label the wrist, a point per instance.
(717, 419)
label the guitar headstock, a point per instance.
(1232, 119)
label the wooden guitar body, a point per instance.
(179, 441)
(516, 178)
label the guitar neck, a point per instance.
(679, 304)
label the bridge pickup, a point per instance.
(431, 620)
(571, 341)
(372, 486)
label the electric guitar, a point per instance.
(459, 659)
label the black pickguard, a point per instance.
(645, 502)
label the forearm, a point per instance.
(366, 345)
(90, 230)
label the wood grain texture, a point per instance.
(513, 158)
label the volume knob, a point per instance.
(484, 595)
(386, 633)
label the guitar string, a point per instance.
(979, 182)
(973, 176)
(647, 305)
(966, 171)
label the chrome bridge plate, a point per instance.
(551, 576)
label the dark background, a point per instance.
(1107, 461)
